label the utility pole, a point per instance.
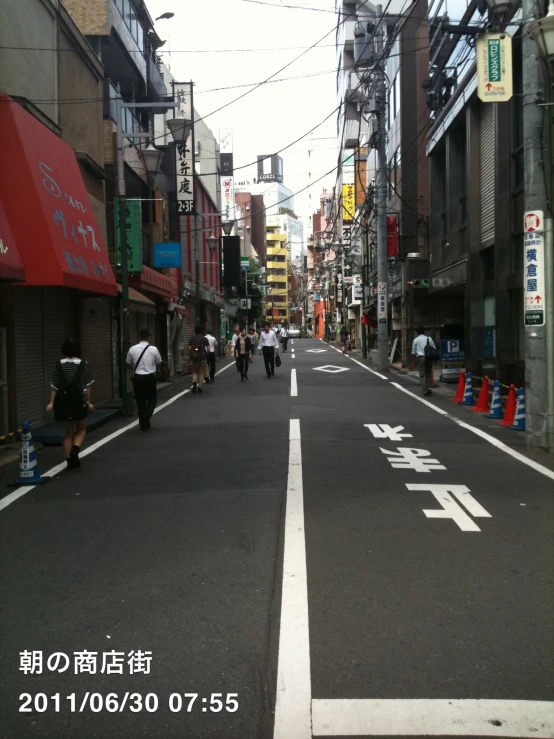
(537, 372)
(381, 201)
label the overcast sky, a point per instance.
(277, 113)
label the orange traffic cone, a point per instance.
(461, 387)
(510, 411)
(483, 399)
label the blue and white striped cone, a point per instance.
(519, 418)
(468, 392)
(28, 463)
(496, 405)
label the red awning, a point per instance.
(11, 267)
(48, 207)
(155, 282)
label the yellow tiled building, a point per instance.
(277, 269)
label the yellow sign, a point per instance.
(494, 67)
(348, 202)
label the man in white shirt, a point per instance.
(425, 364)
(269, 346)
(144, 359)
(234, 343)
(211, 356)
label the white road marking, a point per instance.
(293, 384)
(450, 509)
(408, 458)
(294, 689)
(331, 368)
(316, 351)
(483, 434)
(386, 431)
(19, 492)
(424, 717)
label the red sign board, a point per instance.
(11, 267)
(392, 237)
(48, 207)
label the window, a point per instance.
(119, 5)
(487, 262)
(140, 36)
(397, 94)
(126, 12)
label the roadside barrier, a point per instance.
(468, 391)
(28, 463)
(483, 399)
(519, 417)
(496, 405)
(510, 410)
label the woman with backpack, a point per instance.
(70, 392)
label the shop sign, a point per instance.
(133, 229)
(533, 269)
(184, 156)
(382, 302)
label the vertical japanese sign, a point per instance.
(339, 288)
(133, 228)
(494, 67)
(533, 268)
(227, 179)
(392, 237)
(348, 202)
(382, 302)
(184, 156)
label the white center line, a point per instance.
(294, 687)
(293, 384)
(425, 717)
(12, 497)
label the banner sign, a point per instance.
(382, 302)
(494, 67)
(392, 237)
(339, 288)
(533, 266)
(133, 228)
(348, 202)
(184, 156)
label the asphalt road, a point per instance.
(259, 543)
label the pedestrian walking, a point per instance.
(243, 349)
(344, 338)
(70, 398)
(269, 346)
(234, 343)
(144, 358)
(198, 354)
(254, 339)
(211, 356)
(284, 338)
(424, 353)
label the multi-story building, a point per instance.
(62, 282)
(277, 269)
(254, 216)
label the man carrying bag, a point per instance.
(144, 358)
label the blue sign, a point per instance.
(167, 254)
(453, 349)
(489, 341)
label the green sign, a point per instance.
(495, 65)
(133, 226)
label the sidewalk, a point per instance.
(51, 433)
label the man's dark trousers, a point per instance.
(269, 359)
(145, 395)
(285, 342)
(211, 364)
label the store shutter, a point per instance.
(97, 345)
(188, 330)
(44, 318)
(31, 395)
(488, 173)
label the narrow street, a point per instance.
(342, 556)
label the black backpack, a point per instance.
(69, 398)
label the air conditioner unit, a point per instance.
(364, 45)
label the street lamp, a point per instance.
(165, 16)
(212, 242)
(500, 8)
(151, 159)
(180, 129)
(227, 227)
